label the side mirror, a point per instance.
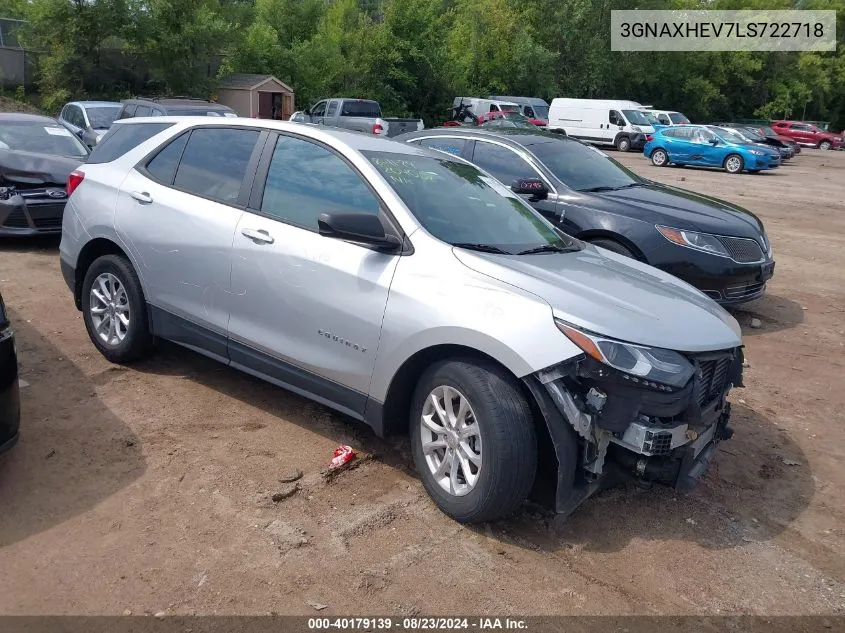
(364, 228)
(714, 141)
(80, 133)
(533, 187)
(307, 112)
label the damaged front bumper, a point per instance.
(602, 420)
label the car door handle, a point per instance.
(141, 196)
(259, 236)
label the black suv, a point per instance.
(172, 106)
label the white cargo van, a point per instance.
(623, 124)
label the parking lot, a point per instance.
(149, 489)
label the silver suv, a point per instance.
(404, 288)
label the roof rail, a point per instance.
(161, 97)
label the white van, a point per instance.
(623, 124)
(669, 117)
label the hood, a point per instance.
(28, 168)
(661, 204)
(616, 296)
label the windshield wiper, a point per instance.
(633, 184)
(599, 188)
(548, 248)
(485, 248)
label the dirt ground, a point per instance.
(147, 489)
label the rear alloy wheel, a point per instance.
(825, 145)
(734, 164)
(659, 158)
(623, 144)
(114, 310)
(473, 440)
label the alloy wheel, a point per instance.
(451, 440)
(734, 164)
(109, 309)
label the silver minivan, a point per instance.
(404, 288)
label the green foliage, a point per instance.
(414, 56)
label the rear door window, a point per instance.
(454, 146)
(123, 137)
(143, 111)
(128, 111)
(368, 109)
(208, 172)
(163, 165)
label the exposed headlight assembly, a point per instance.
(691, 239)
(652, 366)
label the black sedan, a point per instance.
(718, 247)
(36, 157)
(10, 404)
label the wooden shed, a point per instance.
(261, 96)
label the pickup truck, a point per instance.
(361, 115)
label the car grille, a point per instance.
(711, 380)
(743, 250)
(16, 220)
(746, 291)
(658, 442)
(47, 223)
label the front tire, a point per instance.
(734, 164)
(659, 158)
(825, 145)
(115, 311)
(623, 144)
(613, 246)
(473, 440)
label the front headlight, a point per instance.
(636, 128)
(757, 152)
(691, 239)
(642, 364)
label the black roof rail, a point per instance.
(178, 97)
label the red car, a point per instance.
(808, 134)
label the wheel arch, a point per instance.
(94, 249)
(592, 234)
(395, 411)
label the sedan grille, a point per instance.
(16, 220)
(712, 380)
(743, 250)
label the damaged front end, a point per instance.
(629, 423)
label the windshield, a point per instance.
(508, 119)
(459, 205)
(768, 131)
(39, 138)
(636, 117)
(677, 118)
(541, 112)
(731, 136)
(652, 120)
(101, 117)
(582, 167)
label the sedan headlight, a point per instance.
(641, 364)
(757, 152)
(691, 239)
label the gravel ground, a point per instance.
(148, 489)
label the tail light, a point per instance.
(74, 180)
(378, 128)
(648, 137)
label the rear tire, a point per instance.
(623, 144)
(492, 446)
(613, 246)
(734, 164)
(825, 145)
(659, 158)
(115, 311)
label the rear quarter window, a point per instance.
(122, 138)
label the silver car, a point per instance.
(404, 288)
(89, 120)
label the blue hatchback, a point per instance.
(709, 146)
